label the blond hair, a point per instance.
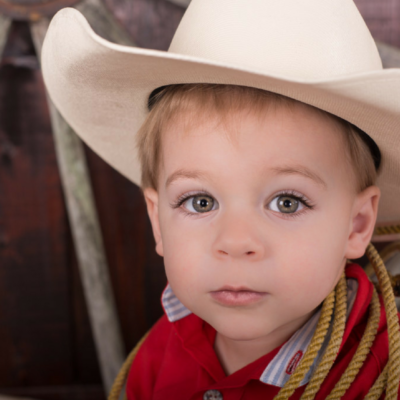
(170, 101)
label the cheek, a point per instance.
(185, 250)
(309, 262)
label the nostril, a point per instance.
(250, 252)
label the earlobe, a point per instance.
(151, 198)
(365, 212)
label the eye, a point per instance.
(286, 204)
(200, 204)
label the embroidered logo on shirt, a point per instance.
(294, 362)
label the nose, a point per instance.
(239, 238)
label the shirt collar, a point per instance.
(280, 368)
(174, 309)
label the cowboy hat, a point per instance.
(317, 52)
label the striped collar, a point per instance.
(284, 363)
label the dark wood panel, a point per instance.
(84, 360)
(34, 279)
(45, 335)
(72, 392)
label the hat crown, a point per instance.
(302, 40)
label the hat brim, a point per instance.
(102, 90)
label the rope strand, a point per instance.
(362, 350)
(387, 230)
(392, 323)
(316, 342)
(329, 357)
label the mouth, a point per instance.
(237, 296)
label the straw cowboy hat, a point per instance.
(318, 52)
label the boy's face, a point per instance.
(272, 218)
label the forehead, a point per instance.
(277, 136)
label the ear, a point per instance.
(364, 216)
(151, 198)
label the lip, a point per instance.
(237, 296)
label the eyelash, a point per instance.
(181, 199)
(290, 193)
(297, 196)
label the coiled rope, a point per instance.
(336, 301)
(387, 230)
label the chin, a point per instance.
(240, 329)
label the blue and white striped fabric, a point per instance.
(172, 306)
(284, 363)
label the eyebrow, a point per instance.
(182, 173)
(284, 170)
(300, 170)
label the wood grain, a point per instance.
(34, 277)
(88, 241)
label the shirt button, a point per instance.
(212, 395)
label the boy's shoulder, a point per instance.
(164, 362)
(157, 340)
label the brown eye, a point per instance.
(286, 204)
(200, 204)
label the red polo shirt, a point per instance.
(177, 360)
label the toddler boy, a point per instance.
(256, 202)
(259, 138)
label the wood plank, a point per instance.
(34, 303)
(5, 23)
(87, 239)
(45, 337)
(39, 275)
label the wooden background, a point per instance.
(46, 345)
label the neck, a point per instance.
(235, 354)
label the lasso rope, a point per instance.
(389, 378)
(392, 322)
(312, 350)
(362, 350)
(387, 230)
(123, 372)
(329, 357)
